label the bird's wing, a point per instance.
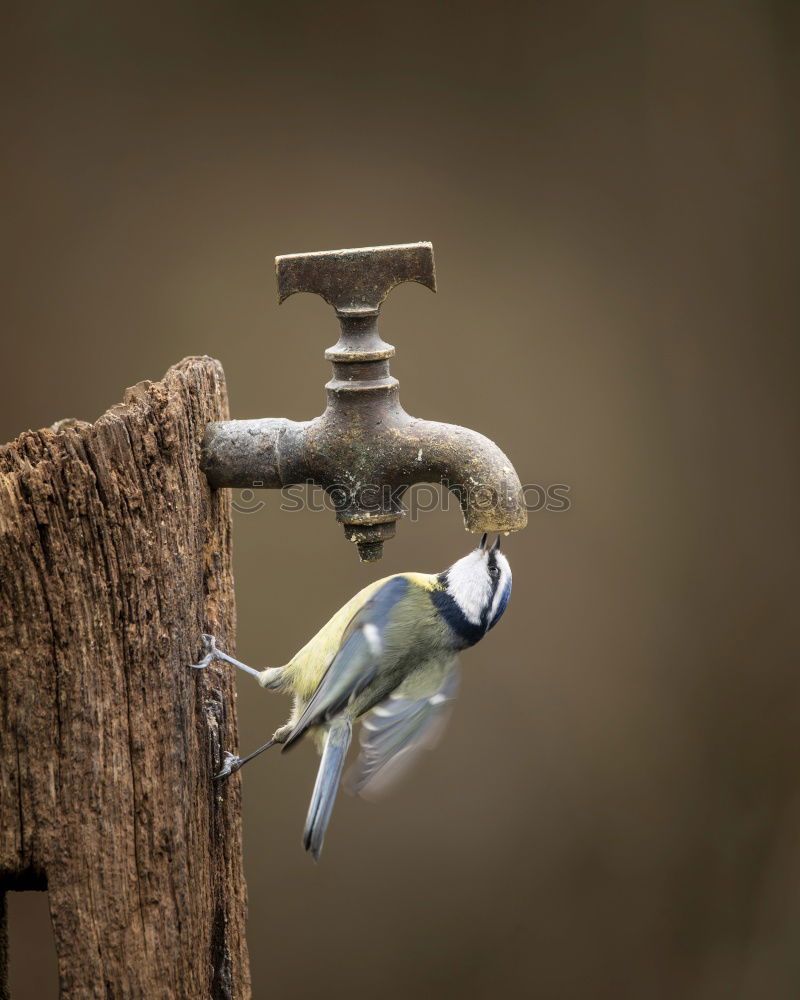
(396, 730)
(358, 661)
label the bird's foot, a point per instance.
(233, 763)
(210, 652)
(230, 764)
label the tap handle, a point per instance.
(355, 282)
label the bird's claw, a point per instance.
(230, 764)
(209, 652)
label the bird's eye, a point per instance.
(494, 572)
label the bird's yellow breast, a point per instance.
(307, 667)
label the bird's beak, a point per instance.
(482, 546)
(496, 546)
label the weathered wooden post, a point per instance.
(115, 556)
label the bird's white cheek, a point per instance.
(471, 591)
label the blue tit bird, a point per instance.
(388, 657)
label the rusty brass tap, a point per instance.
(365, 450)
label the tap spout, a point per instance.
(472, 467)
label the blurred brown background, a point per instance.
(615, 811)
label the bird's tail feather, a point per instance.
(327, 784)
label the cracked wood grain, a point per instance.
(114, 557)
